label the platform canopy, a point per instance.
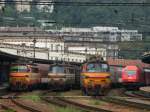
(5, 57)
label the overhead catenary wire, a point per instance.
(76, 3)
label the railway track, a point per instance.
(136, 94)
(129, 101)
(82, 104)
(63, 102)
(142, 94)
(11, 102)
(131, 94)
(5, 108)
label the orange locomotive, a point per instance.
(95, 77)
(24, 76)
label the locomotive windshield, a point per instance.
(35, 70)
(97, 67)
(131, 72)
(56, 69)
(18, 69)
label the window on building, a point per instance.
(51, 47)
(56, 58)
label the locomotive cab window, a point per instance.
(17, 68)
(130, 72)
(71, 71)
(97, 67)
(35, 70)
(56, 69)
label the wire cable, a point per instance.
(75, 3)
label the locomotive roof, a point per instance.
(131, 66)
(126, 62)
(66, 65)
(23, 64)
(95, 59)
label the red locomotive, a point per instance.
(132, 75)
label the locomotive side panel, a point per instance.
(116, 74)
(147, 76)
(62, 75)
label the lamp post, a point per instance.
(86, 54)
(34, 42)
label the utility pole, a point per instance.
(34, 42)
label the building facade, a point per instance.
(23, 5)
(64, 40)
(2, 4)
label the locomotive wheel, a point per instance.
(30, 88)
(11, 88)
(84, 91)
(67, 87)
(99, 91)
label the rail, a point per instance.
(13, 99)
(132, 102)
(63, 102)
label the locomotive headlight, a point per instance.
(85, 77)
(26, 75)
(90, 83)
(61, 80)
(108, 77)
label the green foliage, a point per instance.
(34, 98)
(133, 51)
(68, 109)
(126, 17)
(9, 110)
(130, 17)
(96, 102)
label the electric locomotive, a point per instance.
(95, 76)
(63, 76)
(24, 76)
(132, 76)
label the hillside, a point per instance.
(129, 17)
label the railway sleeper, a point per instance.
(126, 103)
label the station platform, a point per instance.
(4, 86)
(145, 90)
